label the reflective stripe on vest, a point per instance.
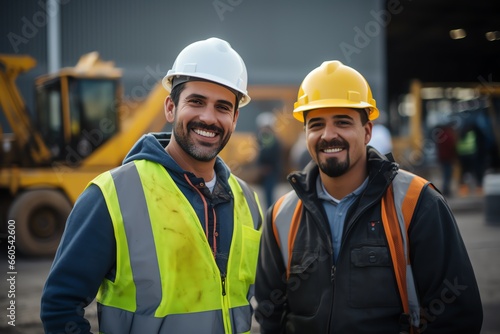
(286, 213)
(166, 276)
(401, 198)
(399, 204)
(201, 322)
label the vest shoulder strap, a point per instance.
(286, 220)
(252, 201)
(398, 206)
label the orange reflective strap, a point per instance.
(294, 227)
(286, 224)
(395, 242)
(276, 208)
(411, 198)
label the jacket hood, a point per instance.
(150, 147)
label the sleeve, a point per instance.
(270, 284)
(86, 254)
(444, 277)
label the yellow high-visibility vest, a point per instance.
(167, 280)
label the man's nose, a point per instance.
(330, 131)
(209, 114)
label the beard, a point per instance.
(199, 151)
(333, 167)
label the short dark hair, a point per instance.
(176, 91)
(363, 114)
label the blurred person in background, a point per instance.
(381, 135)
(160, 240)
(471, 167)
(269, 159)
(445, 138)
(299, 155)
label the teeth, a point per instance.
(204, 133)
(332, 150)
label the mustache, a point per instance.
(203, 126)
(323, 144)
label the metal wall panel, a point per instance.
(280, 40)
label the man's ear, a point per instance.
(368, 131)
(169, 109)
(235, 118)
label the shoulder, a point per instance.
(410, 190)
(409, 179)
(285, 203)
(247, 190)
(90, 202)
(241, 182)
(90, 213)
(431, 209)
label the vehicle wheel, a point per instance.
(40, 217)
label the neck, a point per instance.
(201, 169)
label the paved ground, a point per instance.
(481, 239)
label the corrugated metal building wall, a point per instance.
(280, 40)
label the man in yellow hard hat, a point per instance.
(169, 240)
(358, 245)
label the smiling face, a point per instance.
(336, 140)
(203, 120)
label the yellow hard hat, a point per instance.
(334, 85)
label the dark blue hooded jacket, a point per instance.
(87, 252)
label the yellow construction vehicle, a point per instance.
(81, 127)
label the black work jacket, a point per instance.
(359, 294)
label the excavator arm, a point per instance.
(14, 108)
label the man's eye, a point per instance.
(195, 101)
(314, 125)
(223, 107)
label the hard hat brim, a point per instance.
(167, 84)
(298, 112)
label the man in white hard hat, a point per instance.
(168, 241)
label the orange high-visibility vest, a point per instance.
(398, 205)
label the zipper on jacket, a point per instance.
(332, 278)
(223, 280)
(226, 312)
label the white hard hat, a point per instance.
(214, 60)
